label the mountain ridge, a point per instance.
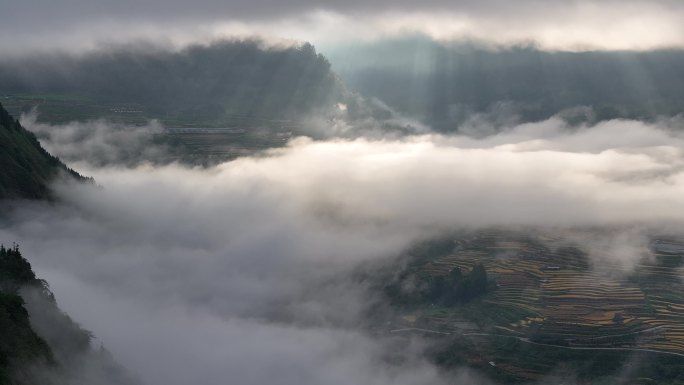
(26, 168)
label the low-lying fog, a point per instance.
(241, 273)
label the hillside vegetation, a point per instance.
(26, 169)
(40, 344)
(225, 82)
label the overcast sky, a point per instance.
(608, 24)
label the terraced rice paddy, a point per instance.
(210, 145)
(553, 292)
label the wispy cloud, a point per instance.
(244, 270)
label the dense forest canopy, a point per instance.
(40, 344)
(26, 169)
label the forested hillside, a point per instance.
(200, 83)
(26, 169)
(39, 344)
(20, 346)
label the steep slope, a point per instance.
(20, 347)
(39, 344)
(26, 169)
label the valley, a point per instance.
(550, 293)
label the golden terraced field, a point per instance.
(567, 296)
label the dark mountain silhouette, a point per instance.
(26, 169)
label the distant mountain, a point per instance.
(234, 81)
(26, 169)
(444, 83)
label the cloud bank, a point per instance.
(581, 24)
(98, 142)
(244, 272)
